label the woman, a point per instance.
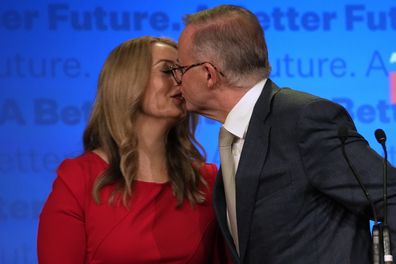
(134, 196)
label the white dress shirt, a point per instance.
(238, 119)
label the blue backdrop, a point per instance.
(51, 53)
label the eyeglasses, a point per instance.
(179, 71)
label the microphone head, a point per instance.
(343, 133)
(380, 136)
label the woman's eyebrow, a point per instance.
(164, 60)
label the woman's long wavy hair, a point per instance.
(112, 126)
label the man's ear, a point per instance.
(212, 75)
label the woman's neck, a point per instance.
(152, 163)
(152, 135)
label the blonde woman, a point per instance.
(141, 192)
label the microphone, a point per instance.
(388, 258)
(377, 249)
(376, 237)
(380, 136)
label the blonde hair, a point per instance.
(111, 127)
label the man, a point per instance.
(285, 192)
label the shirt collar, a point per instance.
(238, 118)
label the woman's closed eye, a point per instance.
(169, 68)
(167, 71)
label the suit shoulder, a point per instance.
(298, 99)
(293, 102)
(294, 97)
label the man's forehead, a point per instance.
(187, 33)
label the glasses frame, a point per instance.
(185, 68)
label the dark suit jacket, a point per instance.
(297, 199)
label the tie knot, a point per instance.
(225, 138)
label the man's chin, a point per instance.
(190, 107)
(193, 108)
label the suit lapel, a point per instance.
(252, 159)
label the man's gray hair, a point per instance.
(232, 38)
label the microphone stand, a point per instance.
(376, 232)
(388, 258)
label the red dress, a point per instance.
(74, 229)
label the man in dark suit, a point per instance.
(285, 193)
